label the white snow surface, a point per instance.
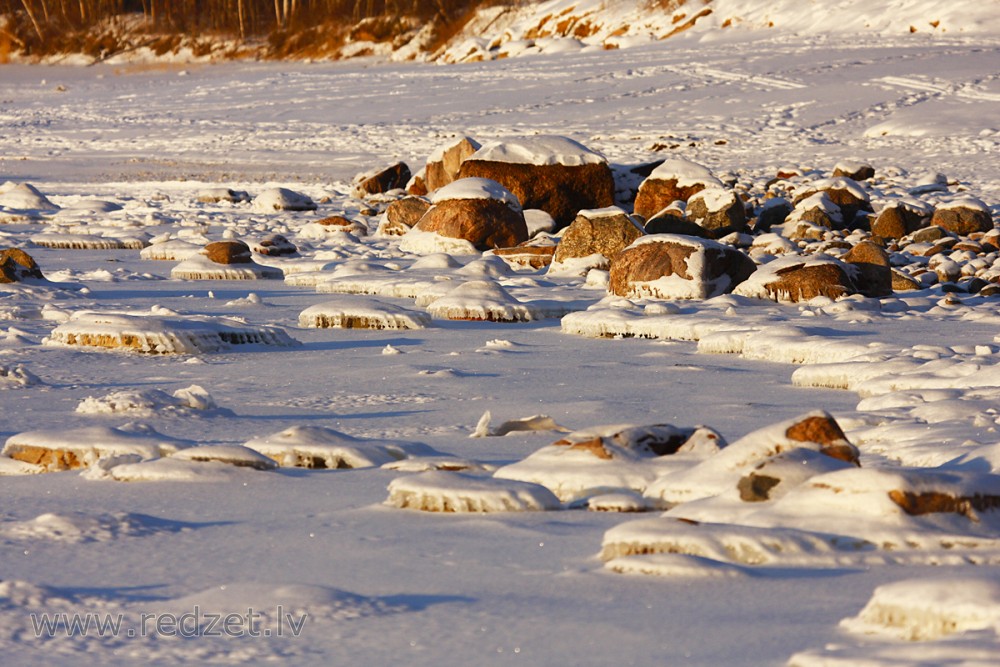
(911, 378)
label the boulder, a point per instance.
(229, 252)
(375, 182)
(275, 245)
(817, 209)
(794, 278)
(443, 164)
(874, 276)
(963, 216)
(282, 199)
(773, 212)
(527, 256)
(846, 193)
(718, 210)
(605, 231)
(476, 210)
(671, 220)
(854, 170)
(671, 266)
(673, 180)
(16, 265)
(897, 220)
(401, 215)
(555, 174)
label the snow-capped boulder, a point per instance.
(854, 170)
(605, 231)
(780, 455)
(282, 199)
(668, 266)
(324, 448)
(846, 193)
(718, 210)
(67, 449)
(615, 458)
(443, 164)
(794, 278)
(479, 211)
(674, 180)
(552, 173)
(274, 245)
(963, 216)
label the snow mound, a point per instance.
(475, 188)
(76, 527)
(172, 469)
(87, 242)
(927, 609)
(618, 457)
(349, 313)
(148, 402)
(440, 491)
(161, 331)
(234, 455)
(282, 199)
(324, 448)
(62, 449)
(24, 197)
(199, 267)
(539, 150)
(171, 250)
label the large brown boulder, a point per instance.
(554, 174)
(963, 216)
(476, 210)
(16, 265)
(381, 180)
(898, 219)
(605, 231)
(794, 278)
(401, 215)
(670, 266)
(874, 276)
(443, 164)
(229, 252)
(674, 180)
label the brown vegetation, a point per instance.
(275, 28)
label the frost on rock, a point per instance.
(161, 331)
(439, 491)
(65, 449)
(355, 313)
(615, 457)
(324, 448)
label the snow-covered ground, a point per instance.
(828, 571)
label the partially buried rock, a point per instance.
(853, 169)
(229, 252)
(669, 266)
(794, 278)
(552, 173)
(674, 180)
(605, 231)
(17, 265)
(401, 215)
(282, 199)
(275, 245)
(375, 182)
(476, 210)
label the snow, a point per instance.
(360, 420)
(475, 188)
(538, 150)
